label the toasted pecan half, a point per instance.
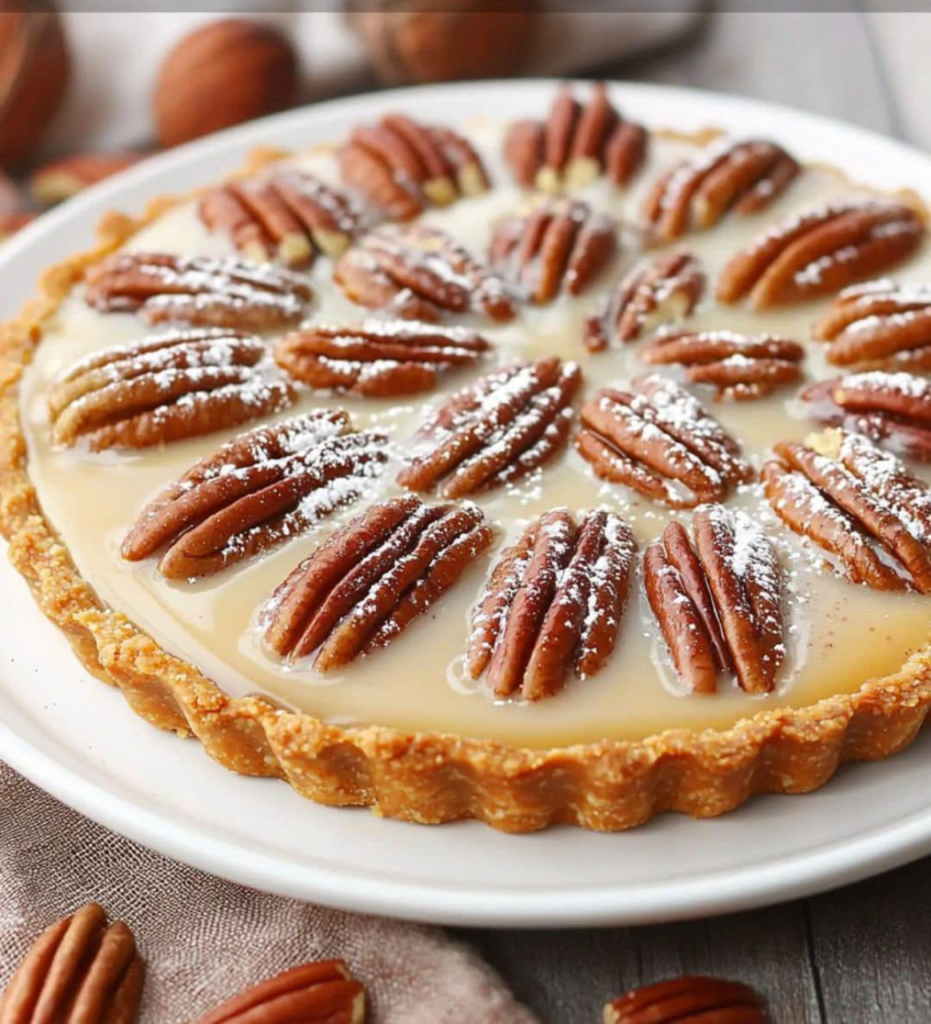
(738, 366)
(553, 604)
(857, 502)
(659, 440)
(495, 432)
(163, 388)
(364, 586)
(202, 290)
(256, 492)
(694, 998)
(820, 251)
(719, 601)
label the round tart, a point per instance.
(554, 471)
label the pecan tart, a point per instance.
(431, 495)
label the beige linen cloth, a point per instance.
(204, 939)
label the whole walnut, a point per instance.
(465, 39)
(222, 74)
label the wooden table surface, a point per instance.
(860, 955)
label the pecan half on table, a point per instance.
(695, 194)
(553, 604)
(658, 440)
(739, 366)
(201, 290)
(881, 324)
(166, 387)
(421, 273)
(688, 1000)
(401, 166)
(561, 244)
(575, 144)
(288, 215)
(378, 359)
(820, 251)
(364, 586)
(495, 432)
(859, 503)
(658, 290)
(255, 492)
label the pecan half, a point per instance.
(560, 244)
(255, 492)
(420, 272)
(370, 580)
(659, 290)
(201, 290)
(378, 359)
(719, 603)
(553, 604)
(576, 144)
(79, 969)
(857, 502)
(288, 215)
(880, 323)
(166, 387)
(400, 166)
(315, 993)
(684, 1000)
(739, 366)
(658, 440)
(820, 251)
(496, 431)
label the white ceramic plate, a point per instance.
(76, 738)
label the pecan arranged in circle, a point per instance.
(553, 604)
(659, 290)
(859, 503)
(820, 251)
(739, 366)
(315, 993)
(79, 969)
(879, 323)
(420, 272)
(576, 144)
(202, 290)
(288, 215)
(692, 998)
(255, 492)
(888, 407)
(719, 603)
(401, 166)
(166, 387)
(364, 586)
(561, 244)
(658, 440)
(496, 431)
(378, 359)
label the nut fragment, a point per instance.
(820, 251)
(659, 290)
(255, 492)
(857, 502)
(686, 1000)
(364, 586)
(79, 969)
(658, 440)
(495, 432)
(164, 388)
(560, 244)
(719, 604)
(553, 604)
(61, 179)
(198, 290)
(378, 359)
(739, 366)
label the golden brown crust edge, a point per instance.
(428, 778)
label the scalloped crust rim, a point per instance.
(428, 778)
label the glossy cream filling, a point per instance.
(839, 634)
